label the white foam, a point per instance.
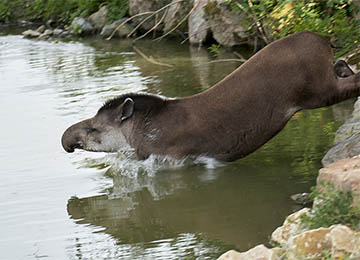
(125, 163)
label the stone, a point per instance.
(122, 32)
(309, 244)
(99, 19)
(345, 175)
(58, 32)
(176, 14)
(198, 26)
(346, 149)
(347, 139)
(31, 34)
(344, 241)
(41, 29)
(81, 26)
(290, 228)
(141, 6)
(228, 28)
(46, 34)
(259, 252)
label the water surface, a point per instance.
(85, 205)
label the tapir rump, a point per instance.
(231, 119)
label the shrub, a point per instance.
(333, 207)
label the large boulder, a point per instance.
(198, 27)
(228, 28)
(142, 6)
(259, 252)
(99, 19)
(176, 14)
(290, 228)
(339, 241)
(121, 32)
(347, 139)
(216, 18)
(344, 175)
(81, 26)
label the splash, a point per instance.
(125, 163)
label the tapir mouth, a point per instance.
(71, 148)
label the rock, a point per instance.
(344, 241)
(290, 228)
(216, 18)
(309, 244)
(65, 34)
(31, 34)
(51, 23)
(46, 34)
(345, 175)
(338, 240)
(259, 252)
(347, 139)
(141, 6)
(346, 149)
(301, 198)
(122, 32)
(41, 29)
(176, 14)
(198, 27)
(81, 26)
(228, 28)
(99, 18)
(58, 32)
(351, 126)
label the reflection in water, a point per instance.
(121, 208)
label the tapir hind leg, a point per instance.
(342, 69)
(348, 87)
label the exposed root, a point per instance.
(151, 59)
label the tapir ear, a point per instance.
(127, 109)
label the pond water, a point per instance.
(86, 205)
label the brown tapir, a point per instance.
(231, 119)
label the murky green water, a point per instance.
(84, 205)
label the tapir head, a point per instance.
(105, 132)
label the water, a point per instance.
(85, 205)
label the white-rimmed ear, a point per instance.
(127, 109)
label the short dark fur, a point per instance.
(142, 102)
(237, 115)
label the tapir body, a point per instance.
(231, 119)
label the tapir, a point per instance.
(231, 119)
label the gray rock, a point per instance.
(65, 34)
(347, 139)
(216, 18)
(122, 32)
(346, 149)
(176, 14)
(99, 19)
(41, 29)
(81, 26)
(58, 32)
(141, 6)
(228, 28)
(31, 34)
(198, 26)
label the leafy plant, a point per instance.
(214, 49)
(333, 207)
(272, 19)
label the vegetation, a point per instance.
(271, 19)
(62, 11)
(333, 207)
